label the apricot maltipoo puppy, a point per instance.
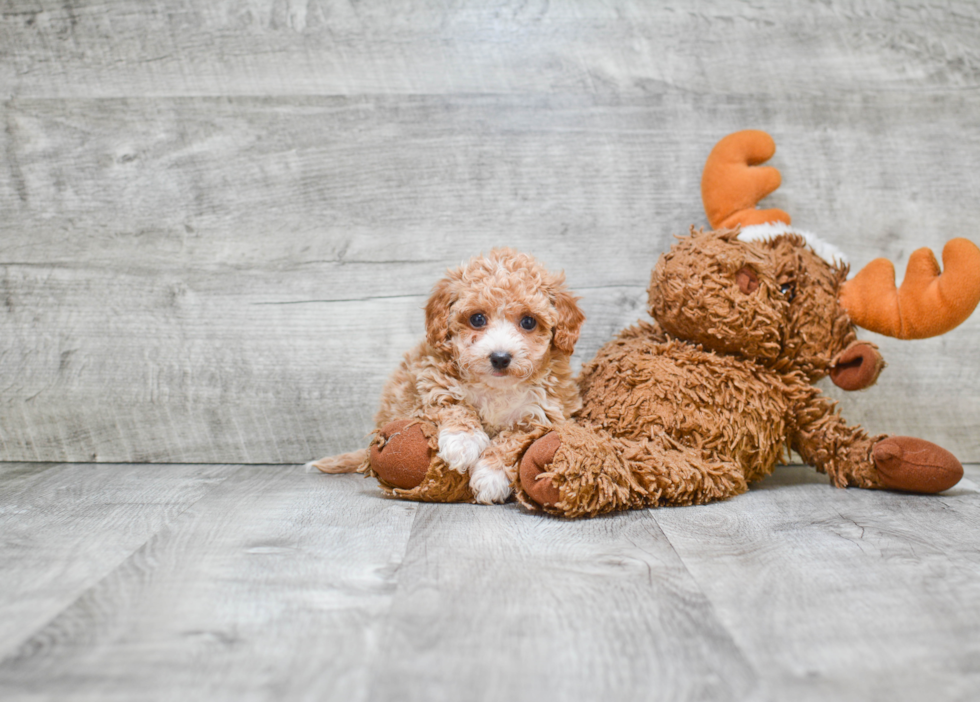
(494, 367)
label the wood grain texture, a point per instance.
(219, 223)
(91, 48)
(843, 594)
(274, 585)
(232, 333)
(65, 527)
(497, 604)
(269, 583)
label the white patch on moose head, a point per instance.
(824, 249)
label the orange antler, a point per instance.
(732, 183)
(929, 303)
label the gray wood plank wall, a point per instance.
(219, 221)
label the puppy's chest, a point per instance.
(506, 408)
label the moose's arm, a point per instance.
(824, 440)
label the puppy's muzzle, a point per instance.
(500, 360)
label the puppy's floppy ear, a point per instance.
(437, 315)
(570, 318)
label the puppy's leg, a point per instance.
(489, 482)
(492, 477)
(461, 438)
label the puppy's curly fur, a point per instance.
(494, 366)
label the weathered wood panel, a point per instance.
(268, 583)
(598, 185)
(208, 280)
(219, 222)
(843, 594)
(496, 604)
(124, 48)
(273, 585)
(65, 528)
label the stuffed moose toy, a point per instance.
(691, 407)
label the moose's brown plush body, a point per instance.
(693, 407)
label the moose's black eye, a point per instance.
(789, 290)
(478, 320)
(528, 323)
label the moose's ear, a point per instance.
(857, 367)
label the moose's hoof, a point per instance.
(536, 461)
(400, 455)
(915, 465)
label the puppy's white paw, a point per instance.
(489, 483)
(462, 449)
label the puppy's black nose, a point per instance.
(499, 360)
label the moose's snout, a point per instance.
(500, 360)
(857, 367)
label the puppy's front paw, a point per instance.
(462, 449)
(489, 483)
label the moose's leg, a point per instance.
(404, 458)
(578, 471)
(840, 451)
(852, 458)
(915, 465)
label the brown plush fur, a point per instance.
(709, 398)
(693, 408)
(440, 482)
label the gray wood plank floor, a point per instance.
(133, 582)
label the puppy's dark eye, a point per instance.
(789, 290)
(478, 320)
(528, 323)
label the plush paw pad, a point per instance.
(462, 449)
(915, 465)
(489, 483)
(536, 461)
(400, 455)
